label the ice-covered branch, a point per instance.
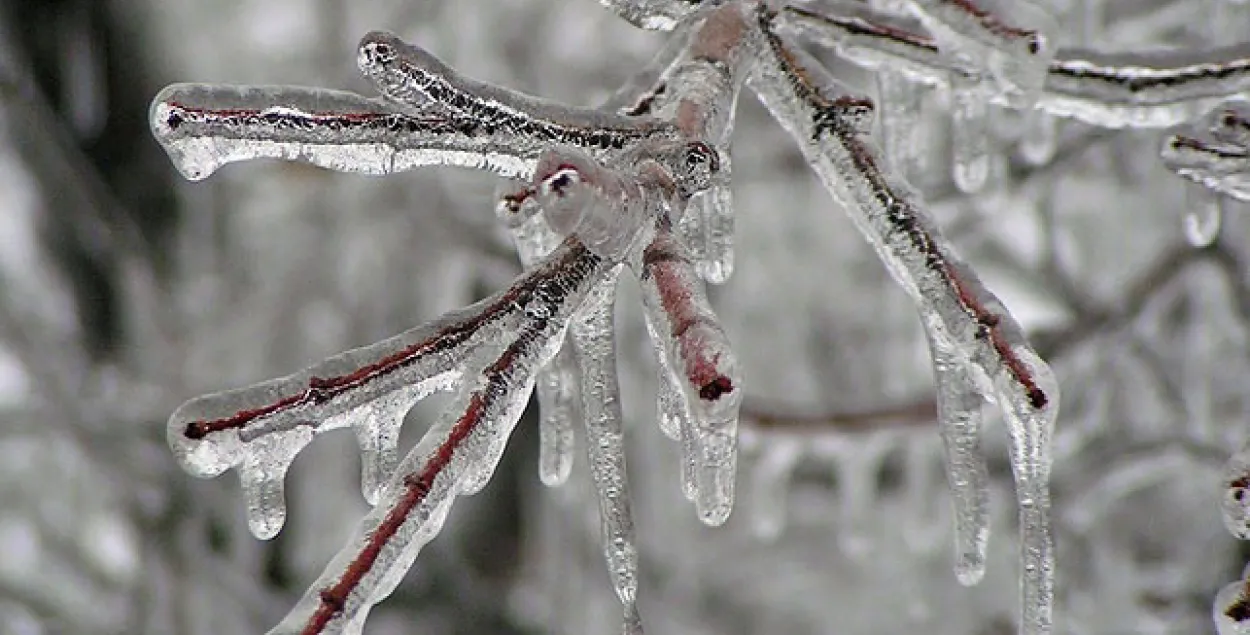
(963, 318)
(1154, 89)
(410, 75)
(460, 451)
(700, 96)
(260, 429)
(699, 371)
(1214, 151)
(432, 115)
(205, 127)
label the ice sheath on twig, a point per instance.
(965, 322)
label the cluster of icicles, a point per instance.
(642, 183)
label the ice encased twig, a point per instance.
(701, 95)
(205, 127)
(960, 314)
(1213, 152)
(700, 363)
(1155, 89)
(459, 452)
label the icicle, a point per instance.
(970, 141)
(1231, 609)
(902, 104)
(557, 408)
(377, 434)
(1038, 143)
(1236, 503)
(959, 420)
(1204, 216)
(594, 342)
(1030, 428)
(858, 460)
(770, 483)
(263, 474)
(556, 385)
(708, 229)
(674, 414)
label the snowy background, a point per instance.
(125, 290)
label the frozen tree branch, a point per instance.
(644, 183)
(1155, 89)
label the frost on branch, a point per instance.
(964, 321)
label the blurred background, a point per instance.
(125, 290)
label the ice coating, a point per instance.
(959, 313)
(698, 354)
(1151, 90)
(594, 340)
(1230, 123)
(456, 455)
(203, 128)
(604, 208)
(701, 92)
(408, 74)
(959, 421)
